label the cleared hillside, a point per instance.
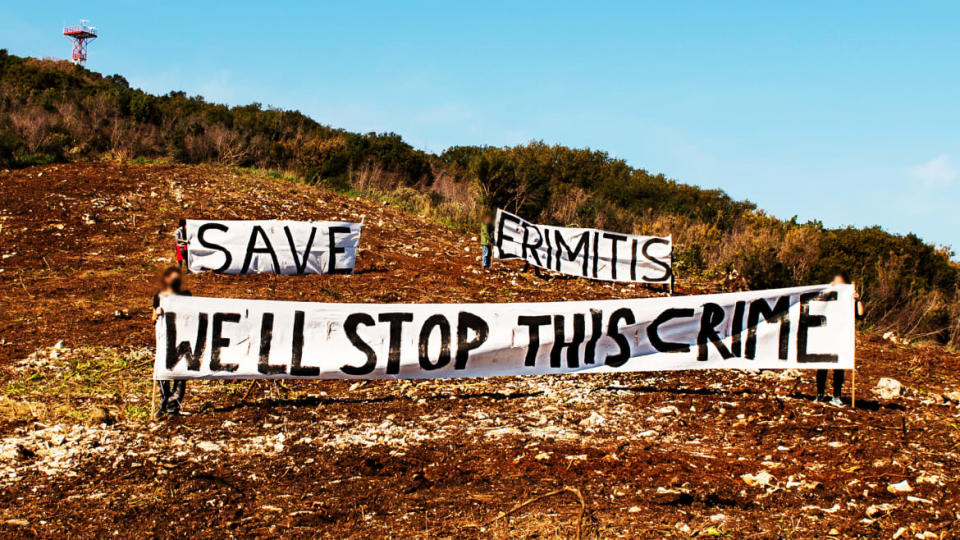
(86, 240)
(651, 454)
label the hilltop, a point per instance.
(57, 112)
(624, 455)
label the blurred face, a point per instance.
(838, 280)
(487, 219)
(172, 281)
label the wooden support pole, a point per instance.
(853, 389)
(153, 398)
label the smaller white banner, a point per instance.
(274, 247)
(588, 253)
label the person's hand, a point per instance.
(856, 295)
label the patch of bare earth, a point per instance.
(745, 454)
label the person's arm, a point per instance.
(857, 304)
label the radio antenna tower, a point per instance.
(81, 35)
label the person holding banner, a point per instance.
(171, 392)
(486, 240)
(840, 279)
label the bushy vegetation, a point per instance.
(55, 111)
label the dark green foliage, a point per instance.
(54, 104)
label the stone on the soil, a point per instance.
(900, 487)
(888, 388)
(762, 478)
(100, 415)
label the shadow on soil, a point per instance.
(862, 404)
(318, 401)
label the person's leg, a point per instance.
(837, 387)
(165, 392)
(485, 257)
(821, 383)
(176, 395)
(837, 382)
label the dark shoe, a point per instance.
(820, 398)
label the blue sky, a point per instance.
(847, 112)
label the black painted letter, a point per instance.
(808, 321)
(350, 327)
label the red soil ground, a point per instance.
(651, 454)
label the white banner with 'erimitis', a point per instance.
(589, 253)
(800, 327)
(274, 247)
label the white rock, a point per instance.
(593, 420)
(900, 487)
(888, 388)
(208, 446)
(762, 478)
(928, 479)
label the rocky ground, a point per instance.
(719, 453)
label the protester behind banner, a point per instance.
(589, 253)
(172, 392)
(276, 247)
(840, 279)
(798, 328)
(486, 240)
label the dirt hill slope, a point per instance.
(91, 239)
(651, 455)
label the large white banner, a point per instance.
(275, 247)
(801, 327)
(589, 253)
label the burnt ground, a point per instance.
(679, 454)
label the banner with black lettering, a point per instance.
(274, 247)
(589, 253)
(802, 327)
